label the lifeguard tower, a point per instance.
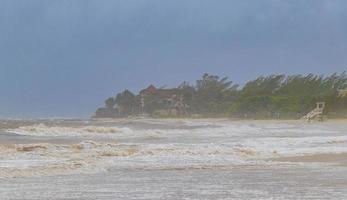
(316, 113)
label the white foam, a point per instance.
(43, 130)
(222, 144)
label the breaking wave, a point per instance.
(43, 130)
(90, 156)
(207, 145)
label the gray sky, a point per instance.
(62, 58)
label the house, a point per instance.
(164, 102)
(149, 90)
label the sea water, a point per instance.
(171, 159)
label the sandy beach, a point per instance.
(338, 159)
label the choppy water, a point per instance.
(170, 159)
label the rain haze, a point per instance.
(63, 58)
(173, 99)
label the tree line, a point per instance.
(272, 96)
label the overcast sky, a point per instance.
(62, 58)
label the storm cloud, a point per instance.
(62, 58)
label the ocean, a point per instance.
(172, 159)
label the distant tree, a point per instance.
(110, 102)
(212, 92)
(126, 103)
(263, 86)
(188, 92)
(266, 96)
(291, 94)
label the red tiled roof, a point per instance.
(149, 90)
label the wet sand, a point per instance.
(340, 159)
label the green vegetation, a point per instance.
(274, 96)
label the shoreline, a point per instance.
(339, 158)
(222, 119)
